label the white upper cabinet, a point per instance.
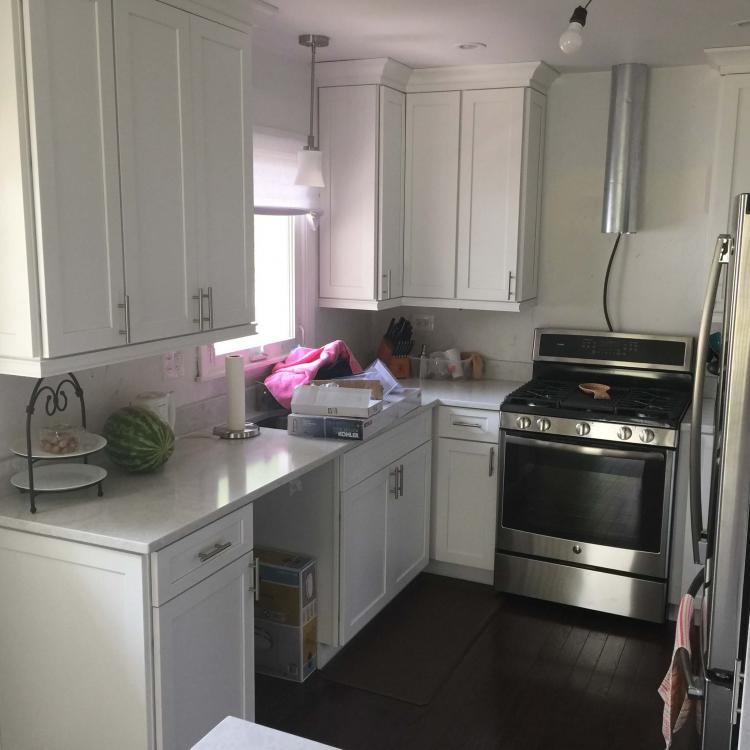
(157, 158)
(361, 229)
(224, 171)
(432, 131)
(72, 118)
(125, 181)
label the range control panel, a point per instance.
(670, 353)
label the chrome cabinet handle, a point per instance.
(492, 460)
(467, 424)
(510, 281)
(401, 480)
(210, 296)
(255, 588)
(394, 489)
(215, 550)
(199, 298)
(126, 307)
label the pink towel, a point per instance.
(302, 365)
(673, 689)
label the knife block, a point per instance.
(399, 366)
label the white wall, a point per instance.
(659, 276)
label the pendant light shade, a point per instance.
(310, 168)
(309, 159)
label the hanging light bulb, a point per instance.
(309, 159)
(571, 39)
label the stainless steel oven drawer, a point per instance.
(590, 589)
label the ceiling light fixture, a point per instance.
(472, 45)
(309, 159)
(571, 39)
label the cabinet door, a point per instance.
(220, 72)
(348, 117)
(204, 656)
(71, 80)
(364, 586)
(409, 520)
(432, 130)
(157, 166)
(489, 195)
(391, 193)
(466, 503)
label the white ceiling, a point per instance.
(424, 33)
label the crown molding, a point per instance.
(388, 72)
(537, 75)
(378, 70)
(729, 60)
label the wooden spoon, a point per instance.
(598, 390)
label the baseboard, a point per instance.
(464, 572)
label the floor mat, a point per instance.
(413, 646)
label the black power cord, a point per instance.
(606, 281)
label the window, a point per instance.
(274, 285)
(285, 281)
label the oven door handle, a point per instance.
(588, 450)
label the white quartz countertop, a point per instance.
(237, 734)
(205, 479)
(466, 394)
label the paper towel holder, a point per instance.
(251, 430)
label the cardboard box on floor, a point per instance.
(286, 623)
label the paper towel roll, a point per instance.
(235, 371)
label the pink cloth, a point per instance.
(673, 689)
(302, 365)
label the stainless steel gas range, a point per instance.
(587, 483)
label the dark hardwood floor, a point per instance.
(540, 675)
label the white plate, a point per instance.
(60, 477)
(89, 442)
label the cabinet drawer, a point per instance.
(383, 450)
(195, 557)
(469, 424)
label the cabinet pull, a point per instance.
(510, 281)
(199, 298)
(468, 424)
(210, 296)
(394, 489)
(126, 307)
(215, 550)
(255, 588)
(492, 460)
(401, 480)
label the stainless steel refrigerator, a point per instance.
(723, 547)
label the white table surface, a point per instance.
(237, 734)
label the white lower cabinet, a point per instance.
(384, 536)
(466, 492)
(204, 656)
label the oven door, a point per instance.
(593, 505)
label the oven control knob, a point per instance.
(646, 436)
(523, 423)
(624, 433)
(543, 424)
(583, 428)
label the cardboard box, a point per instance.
(286, 651)
(332, 401)
(340, 428)
(288, 587)
(374, 386)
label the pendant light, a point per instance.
(309, 159)
(571, 39)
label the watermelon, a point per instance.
(137, 439)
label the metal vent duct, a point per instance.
(627, 111)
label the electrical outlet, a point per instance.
(424, 323)
(173, 364)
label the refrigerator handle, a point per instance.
(695, 683)
(720, 257)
